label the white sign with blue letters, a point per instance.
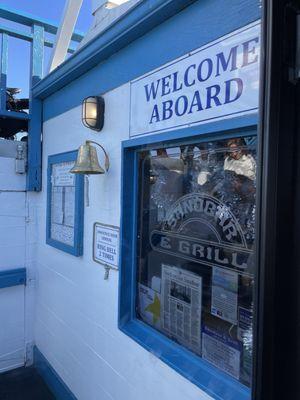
(219, 80)
(106, 245)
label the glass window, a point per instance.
(195, 253)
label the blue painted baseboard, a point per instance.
(51, 378)
(13, 277)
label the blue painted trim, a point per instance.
(196, 26)
(37, 54)
(34, 169)
(137, 21)
(16, 33)
(29, 20)
(34, 173)
(51, 377)
(3, 71)
(246, 123)
(28, 37)
(77, 249)
(14, 114)
(211, 380)
(13, 277)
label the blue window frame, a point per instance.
(65, 204)
(210, 379)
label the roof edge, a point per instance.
(137, 21)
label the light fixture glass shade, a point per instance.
(93, 112)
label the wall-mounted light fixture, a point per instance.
(93, 112)
(87, 160)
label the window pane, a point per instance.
(196, 232)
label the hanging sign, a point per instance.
(219, 80)
(106, 245)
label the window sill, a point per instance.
(215, 383)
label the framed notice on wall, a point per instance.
(65, 204)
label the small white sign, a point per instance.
(61, 174)
(106, 245)
(219, 80)
(224, 294)
(222, 351)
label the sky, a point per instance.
(19, 51)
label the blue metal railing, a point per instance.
(38, 42)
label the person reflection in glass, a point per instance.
(239, 160)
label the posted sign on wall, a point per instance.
(217, 81)
(106, 245)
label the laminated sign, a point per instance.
(106, 245)
(219, 80)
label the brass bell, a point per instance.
(87, 160)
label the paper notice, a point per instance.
(245, 318)
(62, 234)
(224, 297)
(181, 304)
(57, 206)
(221, 351)
(69, 206)
(61, 175)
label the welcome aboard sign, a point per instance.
(219, 80)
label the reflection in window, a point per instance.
(196, 231)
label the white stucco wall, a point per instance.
(76, 309)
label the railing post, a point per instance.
(3, 70)
(34, 175)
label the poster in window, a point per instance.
(181, 304)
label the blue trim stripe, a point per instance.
(208, 378)
(13, 277)
(51, 377)
(3, 70)
(240, 126)
(29, 20)
(34, 176)
(28, 37)
(137, 21)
